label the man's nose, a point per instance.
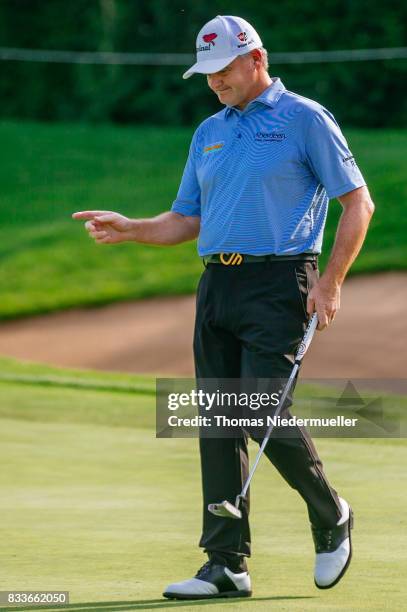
(215, 81)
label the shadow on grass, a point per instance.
(152, 604)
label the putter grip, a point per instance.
(306, 341)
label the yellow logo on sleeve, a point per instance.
(213, 147)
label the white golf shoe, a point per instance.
(333, 549)
(211, 581)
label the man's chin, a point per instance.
(226, 98)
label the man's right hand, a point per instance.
(106, 226)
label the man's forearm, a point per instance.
(169, 228)
(350, 236)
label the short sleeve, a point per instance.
(188, 200)
(329, 157)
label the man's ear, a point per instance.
(257, 57)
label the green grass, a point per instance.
(49, 171)
(93, 503)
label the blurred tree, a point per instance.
(359, 93)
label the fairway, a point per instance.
(50, 171)
(94, 504)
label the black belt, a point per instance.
(236, 259)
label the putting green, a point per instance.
(92, 503)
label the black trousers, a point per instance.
(250, 319)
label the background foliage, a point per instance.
(369, 93)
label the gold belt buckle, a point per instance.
(235, 259)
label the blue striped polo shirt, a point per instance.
(261, 178)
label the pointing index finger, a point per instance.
(89, 214)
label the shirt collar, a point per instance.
(269, 97)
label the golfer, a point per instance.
(255, 192)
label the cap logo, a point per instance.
(242, 36)
(209, 38)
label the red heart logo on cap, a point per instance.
(209, 38)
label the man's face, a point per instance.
(233, 85)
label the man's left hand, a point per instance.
(324, 299)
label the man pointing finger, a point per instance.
(255, 191)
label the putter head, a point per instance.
(225, 509)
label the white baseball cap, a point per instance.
(220, 41)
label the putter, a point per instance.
(227, 510)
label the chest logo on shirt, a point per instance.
(270, 136)
(213, 147)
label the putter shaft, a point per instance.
(306, 341)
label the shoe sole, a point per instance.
(170, 595)
(345, 567)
